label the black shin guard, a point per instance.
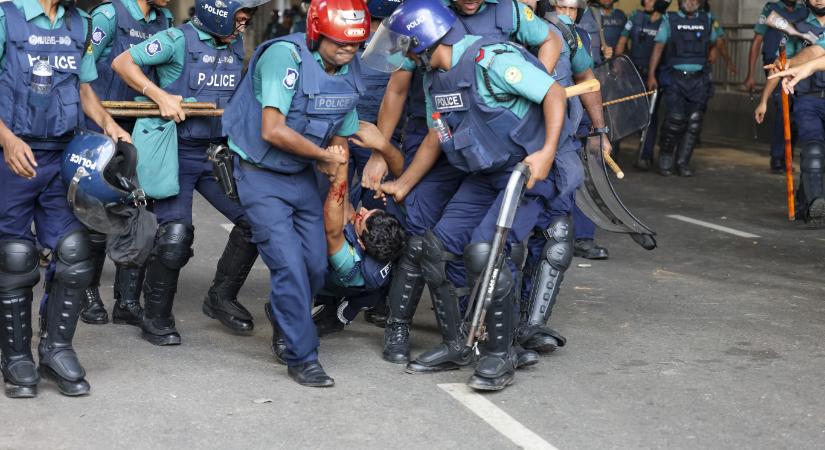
(451, 353)
(128, 284)
(554, 261)
(810, 197)
(172, 250)
(671, 133)
(688, 144)
(73, 274)
(93, 310)
(404, 294)
(221, 301)
(19, 273)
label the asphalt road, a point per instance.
(713, 340)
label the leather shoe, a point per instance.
(587, 248)
(310, 374)
(277, 344)
(93, 312)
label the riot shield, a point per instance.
(599, 201)
(621, 81)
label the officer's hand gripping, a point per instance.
(19, 158)
(114, 131)
(374, 173)
(540, 164)
(170, 107)
(334, 156)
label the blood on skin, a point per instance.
(338, 192)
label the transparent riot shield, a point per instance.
(627, 110)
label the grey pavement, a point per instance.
(710, 341)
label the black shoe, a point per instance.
(816, 213)
(441, 358)
(277, 344)
(160, 331)
(587, 248)
(523, 357)
(93, 312)
(493, 373)
(684, 171)
(127, 313)
(229, 312)
(643, 164)
(541, 343)
(378, 315)
(397, 343)
(19, 391)
(71, 388)
(310, 374)
(777, 165)
(21, 377)
(326, 320)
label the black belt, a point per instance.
(686, 74)
(816, 94)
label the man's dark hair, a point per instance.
(383, 237)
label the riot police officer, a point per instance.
(117, 25)
(201, 59)
(640, 31)
(687, 35)
(612, 21)
(302, 90)
(505, 20)
(46, 65)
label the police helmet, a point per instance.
(343, 21)
(380, 9)
(217, 17)
(99, 174)
(578, 4)
(660, 6)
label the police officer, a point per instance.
(117, 25)
(640, 31)
(46, 65)
(612, 22)
(498, 91)
(768, 39)
(688, 36)
(298, 97)
(504, 20)
(808, 85)
(201, 59)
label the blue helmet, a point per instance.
(98, 174)
(415, 26)
(380, 9)
(217, 17)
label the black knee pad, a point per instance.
(475, 261)
(558, 251)
(75, 267)
(812, 157)
(694, 124)
(18, 264)
(433, 260)
(414, 248)
(173, 244)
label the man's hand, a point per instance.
(607, 52)
(397, 190)
(374, 172)
(334, 156)
(749, 83)
(368, 136)
(759, 113)
(652, 84)
(114, 131)
(792, 76)
(170, 107)
(540, 164)
(19, 158)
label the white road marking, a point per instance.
(228, 227)
(495, 417)
(713, 226)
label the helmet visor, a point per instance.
(90, 210)
(387, 50)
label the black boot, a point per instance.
(19, 272)
(325, 315)
(588, 249)
(378, 314)
(277, 344)
(310, 374)
(173, 248)
(221, 302)
(685, 151)
(671, 133)
(128, 283)
(93, 310)
(405, 291)
(495, 369)
(452, 353)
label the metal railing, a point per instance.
(738, 38)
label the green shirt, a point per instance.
(167, 51)
(104, 24)
(795, 45)
(34, 13)
(582, 60)
(663, 36)
(342, 263)
(269, 82)
(509, 73)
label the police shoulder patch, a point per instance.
(153, 48)
(97, 36)
(290, 78)
(528, 13)
(513, 75)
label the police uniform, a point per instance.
(641, 30)
(46, 122)
(117, 26)
(809, 111)
(277, 189)
(191, 63)
(492, 99)
(505, 21)
(688, 41)
(613, 24)
(589, 24)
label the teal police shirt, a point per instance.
(34, 13)
(582, 60)
(796, 45)
(104, 23)
(342, 263)
(280, 59)
(663, 36)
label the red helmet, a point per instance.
(344, 21)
